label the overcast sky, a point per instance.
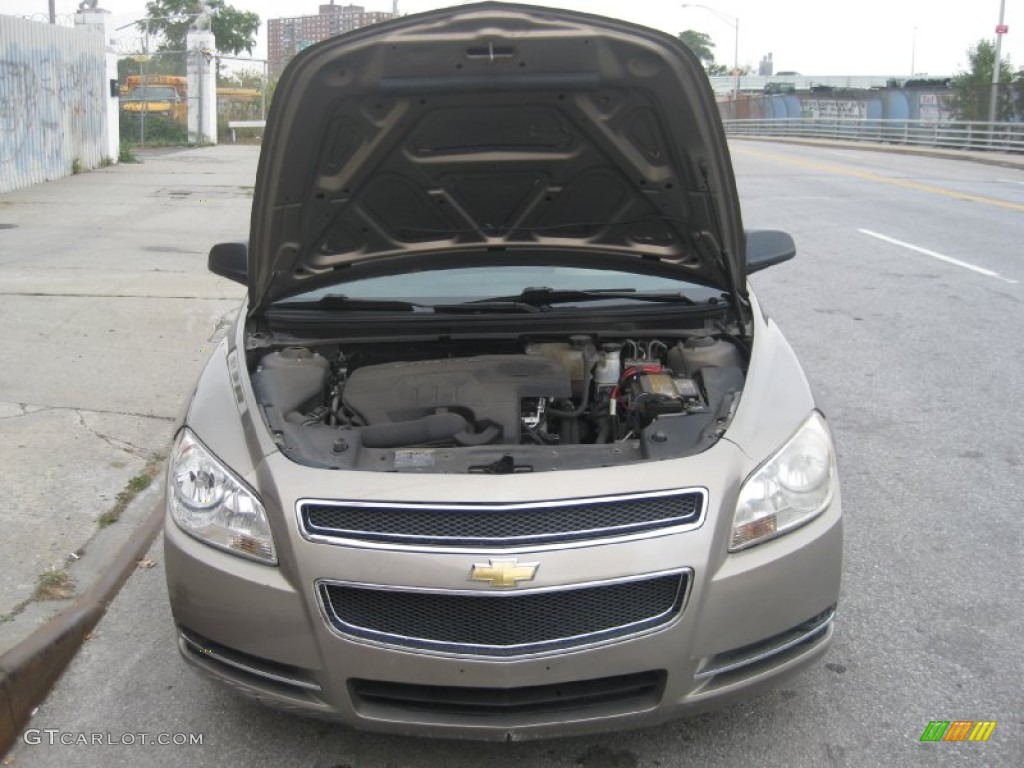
(813, 37)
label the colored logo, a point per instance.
(503, 573)
(958, 730)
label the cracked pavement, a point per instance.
(109, 314)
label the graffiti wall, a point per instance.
(888, 104)
(53, 95)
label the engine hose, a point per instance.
(488, 434)
(437, 427)
(588, 365)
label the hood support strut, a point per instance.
(719, 253)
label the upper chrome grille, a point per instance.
(486, 623)
(501, 525)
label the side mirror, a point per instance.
(768, 247)
(230, 260)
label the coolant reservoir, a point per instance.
(609, 365)
(294, 357)
(685, 359)
(292, 380)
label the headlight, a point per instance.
(789, 489)
(207, 501)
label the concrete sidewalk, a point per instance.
(108, 315)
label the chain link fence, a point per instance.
(153, 89)
(155, 102)
(243, 94)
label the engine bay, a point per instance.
(499, 406)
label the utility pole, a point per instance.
(913, 51)
(734, 22)
(1000, 31)
(53, 11)
(736, 57)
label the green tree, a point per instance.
(702, 46)
(235, 30)
(1018, 89)
(972, 90)
(243, 78)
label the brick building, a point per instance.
(286, 37)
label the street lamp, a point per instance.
(734, 21)
(1000, 31)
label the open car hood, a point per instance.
(493, 131)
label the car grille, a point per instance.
(505, 623)
(639, 690)
(501, 525)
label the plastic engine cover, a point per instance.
(484, 389)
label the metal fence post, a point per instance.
(202, 97)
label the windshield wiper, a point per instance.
(530, 300)
(338, 301)
(487, 305)
(544, 296)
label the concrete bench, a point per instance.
(236, 124)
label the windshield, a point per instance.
(153, 93)
(442, 286)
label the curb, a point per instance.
(29, 669)
(980, 158)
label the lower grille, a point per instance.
(505, 623)
(642, 689)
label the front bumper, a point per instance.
(749, 620)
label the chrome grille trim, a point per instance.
(536, 541)
(618, 633)
(766, 649)
(211, 651)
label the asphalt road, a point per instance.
(915, 350)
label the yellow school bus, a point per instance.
(167, 96)
(239, 103)
(163, 96)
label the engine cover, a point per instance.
(487, 390)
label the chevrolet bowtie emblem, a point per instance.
(503, 573)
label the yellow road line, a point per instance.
(879, 178)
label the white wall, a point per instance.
(54, 95)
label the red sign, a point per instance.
(1002, 29)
